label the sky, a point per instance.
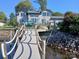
(62, 6)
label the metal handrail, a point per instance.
(39, 39)
(49, 36)
(13, 47)
(15, 37)
(39, 44)
(15, 43)
(42, 49)
(3, 50)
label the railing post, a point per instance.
(44, 49)
(3, 45)
(18, 42)
(10, 35)
(3, 50)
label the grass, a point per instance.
(4, 27)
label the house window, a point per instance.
(33, 20)
(43, 21)
(17, 14)
(48, 14)
(22, 14)
(32, 15)
(43, 14)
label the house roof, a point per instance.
(33, 12)
(57, 17)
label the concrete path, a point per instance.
(28, 48)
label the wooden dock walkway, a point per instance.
(27, 47)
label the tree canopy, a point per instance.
(13, 20)
(43, 4)
(2, 16)
(69, 14)
(70, 23)
(24, 5)
(57, 14)
(12, 16)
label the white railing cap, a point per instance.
(13, 38)
(75, 58)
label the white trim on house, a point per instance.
(41, 18)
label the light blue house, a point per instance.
(37, 17)
(34, 17)
(21, 17)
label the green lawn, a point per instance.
(4, 27)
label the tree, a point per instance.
(43, 4)
(69, 14)
(57, 14)
(68, 17)
(12, 16)
(13, 20)
(3, 16)
(74, 25)
(24, 5)
(64, 26)
(70, 23)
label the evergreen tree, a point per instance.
(23, 6)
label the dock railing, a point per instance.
(16, 37)
(41, 45)
(48, 37)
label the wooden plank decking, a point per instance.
(27, 47)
